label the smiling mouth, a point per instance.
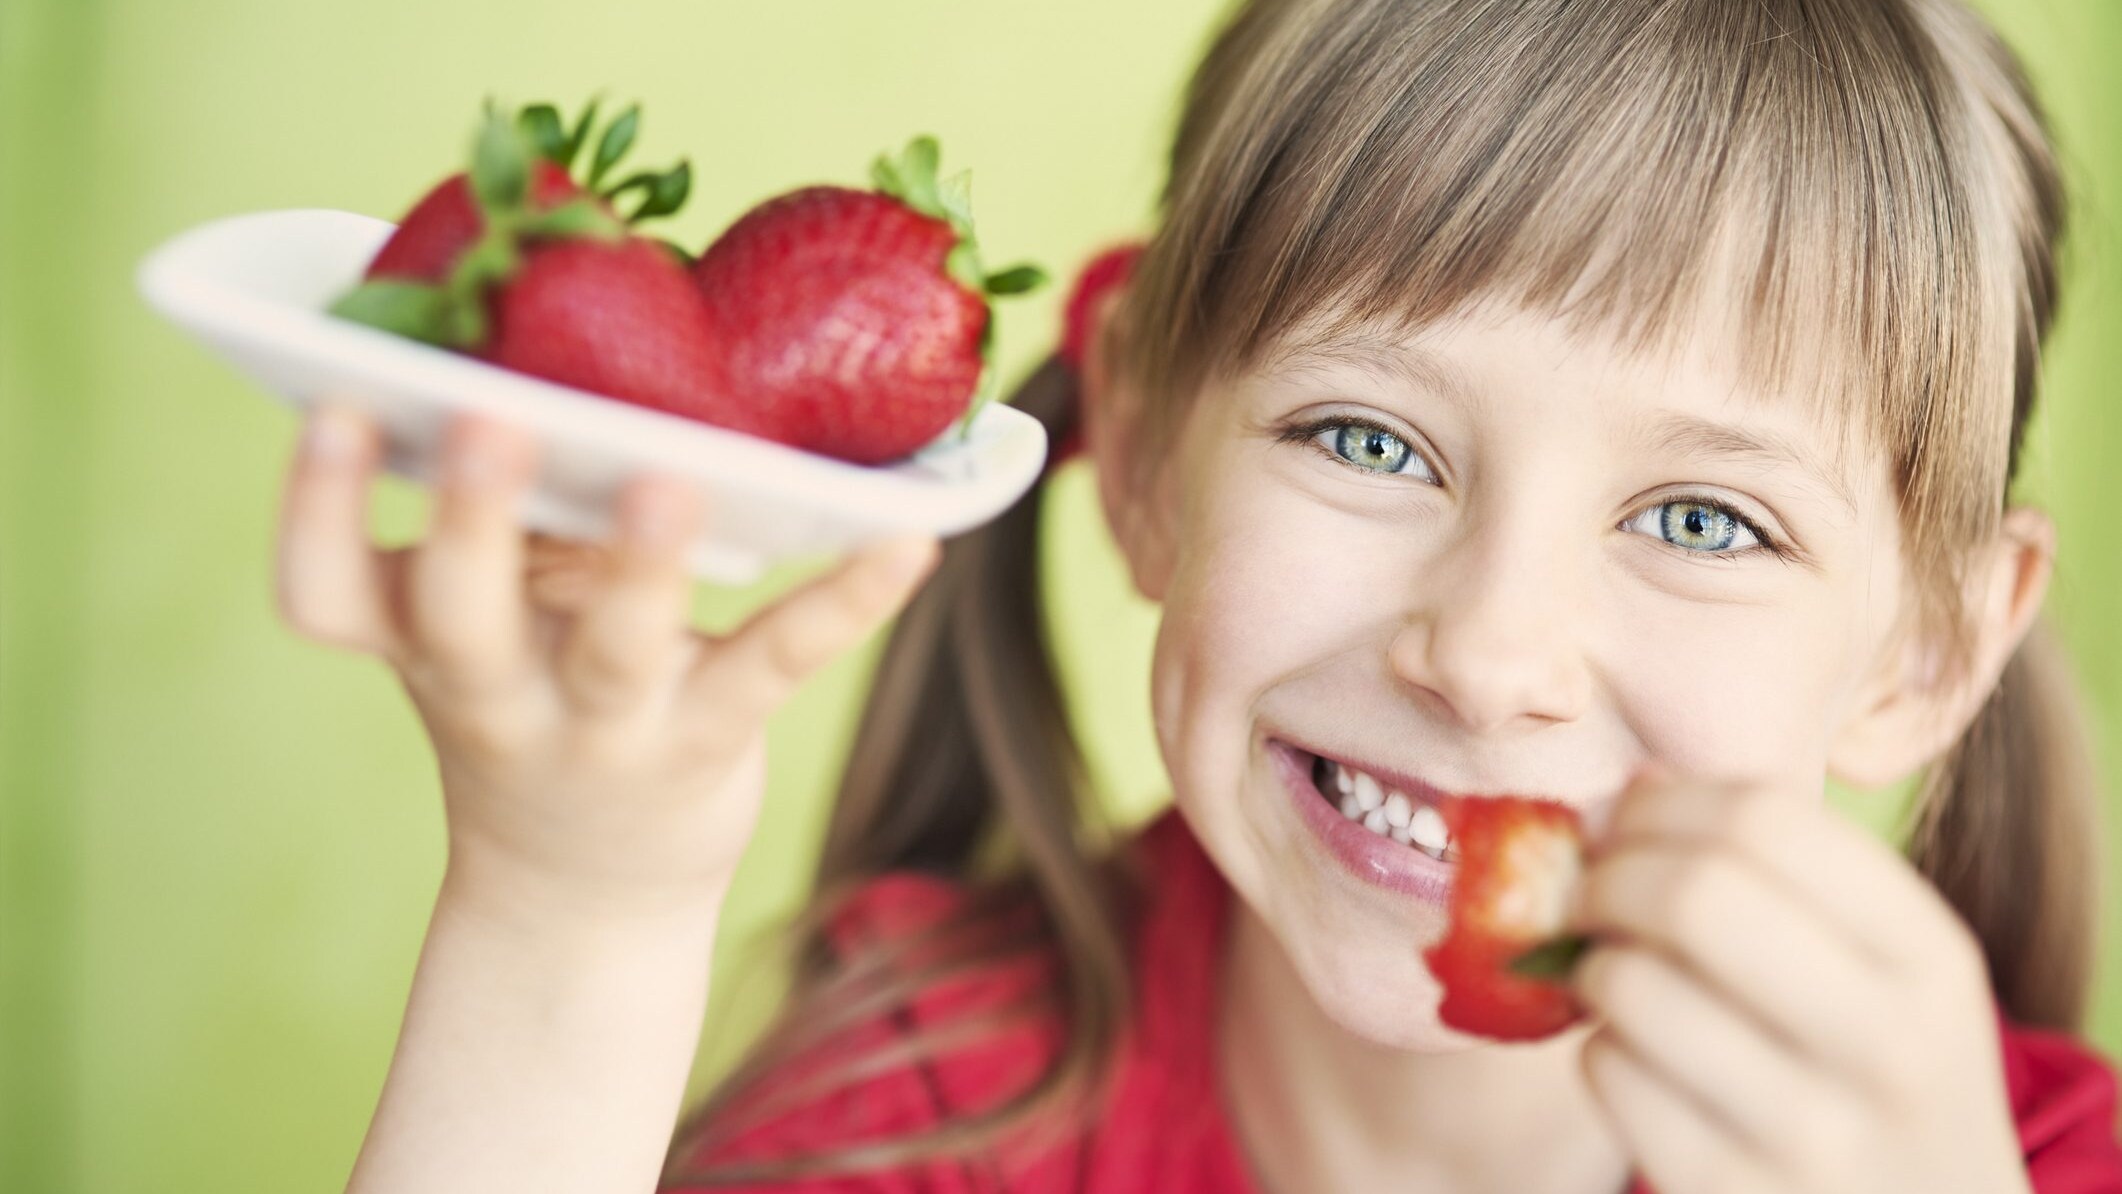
(1411, 820)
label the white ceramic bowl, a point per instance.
(255, 288)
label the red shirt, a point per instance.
(1164, 1129)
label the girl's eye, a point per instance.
(1370, 447)
(1698, 526)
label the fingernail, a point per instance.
(331, 435)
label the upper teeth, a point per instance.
(1384, 811)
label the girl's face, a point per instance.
(1495, 557)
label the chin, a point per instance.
(1374, 991)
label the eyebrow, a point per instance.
(1694, 436)
(1406, 363)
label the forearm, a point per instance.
(541, 1049)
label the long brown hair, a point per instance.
(1870, 181)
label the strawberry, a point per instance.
(620, 319)
(447, 221)
(855, 323)
(562, 293)
(1502, 958)
(449, 218)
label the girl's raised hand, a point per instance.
(597, 755)
(1787, 1005)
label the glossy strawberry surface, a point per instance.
(836, 326)
(615, 318)
(1518, 867)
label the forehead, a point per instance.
(1683, 395)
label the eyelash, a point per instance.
(1307, 434)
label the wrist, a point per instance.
(485, 887)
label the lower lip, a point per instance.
(1376, 860)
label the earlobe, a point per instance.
(1920, 707)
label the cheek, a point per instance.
(1268, 586)
(1743, 693)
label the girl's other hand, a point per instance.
(597, 755)
(1786, 1004)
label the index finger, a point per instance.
(1849, 877)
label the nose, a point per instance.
(1493, 638)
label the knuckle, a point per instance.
(482, 735)
(468, 664)
(1697, 898)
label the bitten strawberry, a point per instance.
(1503, 958)
(562, 293)
(855, 323)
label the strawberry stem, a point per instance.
(1553, 960)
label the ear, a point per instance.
(1914, 711)
(1139, 501)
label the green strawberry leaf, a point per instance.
(1551, 961)
(666, 194)
(662, 193)
(580, 137)
(464, 324)
(579, 217)
(491, 258)
(541, 124)
(956, 195)
(411, 309)
(885, 176)
(613, 145)
(1017, 279)
(912, 178)
(500, 164)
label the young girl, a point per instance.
(1611, 402)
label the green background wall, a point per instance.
(218, 842)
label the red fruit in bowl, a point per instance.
(447, 221)
(854, 323)
(563, 292)
(615, 318)
(1504, 959)
(450, 218)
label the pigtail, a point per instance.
(963, 765)
(2008, 835)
